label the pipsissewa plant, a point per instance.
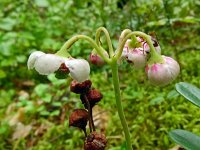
(185, 138)
(136, 47)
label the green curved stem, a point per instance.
(75, 38)
(115, 77)
(144, 36)
(98, 34)
(123, 34)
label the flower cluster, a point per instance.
(140, 51)
(45, 64)
(161, 72)
(79, 70)
(137, 55)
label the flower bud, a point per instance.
(95, 141)
(82, 87)
(93, 96)
(161, 74)
(138, 57)
(96, 59)
(78, 118)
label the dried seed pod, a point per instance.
(93, 96)
(95, 141)
(80, 88)
(78, 118)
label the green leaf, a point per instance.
(2, 74)
(42, 3)
(172, 94)
(21, 58)
(186, 139)
(57, 104)
(44, 113)
(190, 92)
(47, 98)
(41, 89)
(55, 113)
(156, 100)
(7, 24)
(61, 75)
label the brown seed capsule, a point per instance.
(93, 96)
(78, 118)
(95, 141)
(80, 88)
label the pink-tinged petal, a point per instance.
(140, 39)
(163, 74)
(137, 57)
(154, 67)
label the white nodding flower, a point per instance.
(161, 74)
(32, 58)
(138, 57)
(46, 64)
(79, 69)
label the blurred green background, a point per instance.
(34, 109)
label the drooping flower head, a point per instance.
(138, 57)
(161, 74)
(162, 71)
(136, 51)
(46, 64)
(135, 55)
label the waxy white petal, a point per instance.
(48, 63)
(79, 69)
(32, 58)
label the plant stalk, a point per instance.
(91, 122)
(74, 39)
(98, 34)
(115, 77)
